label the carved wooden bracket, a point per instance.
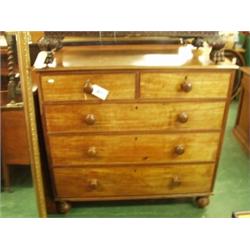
(217, 54)
(54, 39)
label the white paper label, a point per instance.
(99, 92)
(40, 59)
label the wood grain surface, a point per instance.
(168, 85)
(123, 181)
(64, 87)
(145, 148)
(133, 117)
(14, 137)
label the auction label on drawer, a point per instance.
(99, 92)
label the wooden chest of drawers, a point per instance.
(157, 135)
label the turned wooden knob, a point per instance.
(90, 119)
(179, 149)
(93, 183)
(87, 87)
(175, 181)
(182, 117)
(92, 151)
(186, 86)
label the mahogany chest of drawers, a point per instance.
(157, 135)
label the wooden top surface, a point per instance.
(129, 57)
(246, 70)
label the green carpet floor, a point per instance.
(232, 192)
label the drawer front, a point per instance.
(184, 85)
(71, 86)
(121, 181)
(103, 149)
(133, 117)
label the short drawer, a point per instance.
(133, 117)
(139, 148)
(133, 181)
(185, 85)
(66, 87)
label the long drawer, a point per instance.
(71, 86)
(134, 148)
(137, 117)
(121, 181)
(185, 85)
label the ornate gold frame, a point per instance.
(25, 76)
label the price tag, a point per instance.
(40, 59)
(99, 92)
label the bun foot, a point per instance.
(202, 202)
(63, 207)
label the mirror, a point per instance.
(19, 133)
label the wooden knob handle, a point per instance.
(92, 151)
(93, 183)
(90, 119)
(186, 86)
(87, 87)
(182, 117)
(175, 181)
(179, 149)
